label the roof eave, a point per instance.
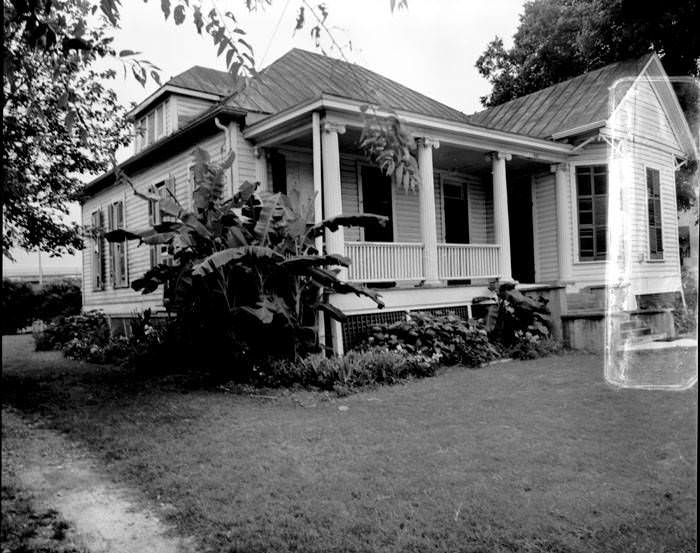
(170, 89)
(102, 181)
(326, 101)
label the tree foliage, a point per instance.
(62, 121)
(559, 39)
(245, 271)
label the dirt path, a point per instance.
(60, 476)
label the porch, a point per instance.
(446, 240)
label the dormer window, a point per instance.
(153, 125)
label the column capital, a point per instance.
(428, 142)
(332, 127)
(493, 156)
(559, 167)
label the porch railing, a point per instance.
(384, 261)
(463, 261)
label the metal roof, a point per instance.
(299, 76)
(204, 79)
(561, 107)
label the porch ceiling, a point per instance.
(447, 157)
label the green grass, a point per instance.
(522, 456)
(28, 529)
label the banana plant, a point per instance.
(246, 262)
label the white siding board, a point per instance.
(545, 228)
(189, 108)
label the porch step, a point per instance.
(641, 339)
(635, 332)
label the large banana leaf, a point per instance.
(267, 308)
(350, 220)
(270, 204)
(301, 264)
(230, 255)
(149, 236)
(326, 279)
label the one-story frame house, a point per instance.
(516, 192)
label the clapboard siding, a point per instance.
(245, 160)
(545, 228)
(640, 116)
(350, 194)
(125, 301)
(189, 108)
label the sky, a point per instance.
(431, 47)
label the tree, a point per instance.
(559, 39)
(245, 277)
(62, 122)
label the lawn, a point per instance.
(520, 456)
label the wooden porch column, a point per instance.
(333, 205)
(500, 212)
(426, 197)
(561, 175)
(318, 207)
(332, 196)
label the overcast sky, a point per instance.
(431, 47)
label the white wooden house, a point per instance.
(517, 192)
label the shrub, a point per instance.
(685, 317)
(532, 346)
(87, 337)
(77, 333)
(446, 339)
(22, 304)
(356, 369)
(245, 278)
(519, 325)
(18, 306)
(58, 299)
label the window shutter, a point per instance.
(96, 258)
(121, 247)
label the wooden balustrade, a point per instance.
(464, 261)
(384, 261)
(403, 261)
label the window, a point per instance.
(456, 212)
(98, 260)
(279, 172)
(153, 126)
(151, 129)
(160, 253)
(656, 241)
(376, 198)
(592, 205)
(117, 250)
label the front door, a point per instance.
(522, 248)
(456, 211)
(376, 199)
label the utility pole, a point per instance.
(41, 270)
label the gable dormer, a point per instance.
(178, 102)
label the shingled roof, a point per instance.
(561, 107)
(300, 76)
